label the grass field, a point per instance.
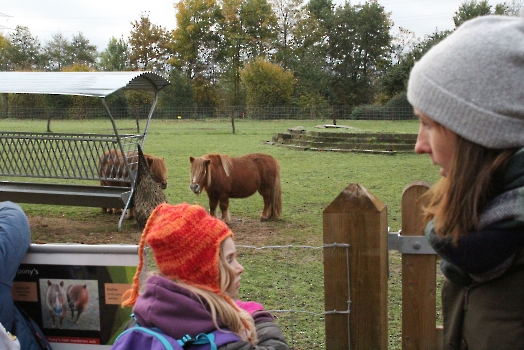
(310, 181)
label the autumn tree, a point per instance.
(196, 40)
(248, 30)
(116, 55)
(267, 84)
(259, 24)
(149, 45)
(4, 53)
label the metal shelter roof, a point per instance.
(96, 84)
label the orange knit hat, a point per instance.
(185, 241)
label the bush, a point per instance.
(399, 107)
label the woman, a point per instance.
(468, 93)
(198, 279)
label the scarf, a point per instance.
(486, 254)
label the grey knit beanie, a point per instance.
(473, 82)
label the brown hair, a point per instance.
(456, 202)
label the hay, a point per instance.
(148, 194)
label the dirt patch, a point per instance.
(103, 229)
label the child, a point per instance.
(199, 276)
(468, 92)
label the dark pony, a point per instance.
(224, 177)
(112, 165)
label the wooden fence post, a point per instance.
(358, 219)
(418, 278)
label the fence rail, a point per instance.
(333, 113)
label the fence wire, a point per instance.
(289, 281)
(333, 113)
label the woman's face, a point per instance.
(230, 253)
(437, 141)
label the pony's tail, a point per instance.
(276, 197)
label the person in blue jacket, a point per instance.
(15, 239)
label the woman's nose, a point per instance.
(422, 145)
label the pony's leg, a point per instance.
(224, 204)
(213, 203)
(266, 212)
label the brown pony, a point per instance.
(56, 301)
(112, 165)
(224, 177)
(77, 299)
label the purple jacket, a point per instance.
(177, 312)
(172, 308)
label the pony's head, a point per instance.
(56, 297)
(157, 167)
(200, 174)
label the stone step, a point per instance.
(366, 142)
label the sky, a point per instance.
(99, 20)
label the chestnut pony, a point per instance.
(112, 166)
(224, 177)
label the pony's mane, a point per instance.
(227, 163)
(223, 159)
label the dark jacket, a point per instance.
(177, 312)
(483, 294)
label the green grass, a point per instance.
(310, 181)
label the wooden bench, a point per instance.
(64, 168)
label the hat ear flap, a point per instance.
(130, 296)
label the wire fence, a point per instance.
(289, 281)
(238, 112)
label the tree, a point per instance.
(25, 51)
(471, 9)
(259, 24)
(80, 51)
(149, 46)
(309, 46)
(178, 93)
(249, 29)
(231, 48)
(55, 52)
(396, 77)
(512, 8)
(196, 40)
(4, 53)
(116, 56)
(267, 84)
(359, 45)
(288, 14)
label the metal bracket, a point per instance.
(409, 244)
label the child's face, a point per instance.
(437, 141)
(230, 253)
